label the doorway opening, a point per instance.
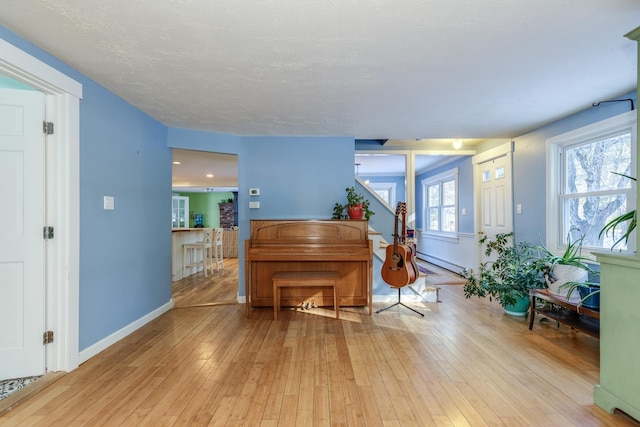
(207, 182)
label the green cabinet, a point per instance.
(620, 325)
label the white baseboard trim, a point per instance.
(440, 262)
(103, 344)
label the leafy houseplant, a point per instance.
(516, 269)
(569, 267)
(357, 207)
(611, 226)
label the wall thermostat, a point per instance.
(254, 191)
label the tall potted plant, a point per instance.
(516, 269)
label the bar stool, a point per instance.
(199, 254)
(217, 248)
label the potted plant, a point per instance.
(611, 226)
(357, 207)
(589, 293)
(566, 268)
(517, 268)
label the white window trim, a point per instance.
(444, 176)
(390, 186)
(614, 124)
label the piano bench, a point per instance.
(302, 279)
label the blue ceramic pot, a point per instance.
(520, 308)
(593, 302)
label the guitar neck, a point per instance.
(404, 226)
(395, 235)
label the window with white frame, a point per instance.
(589, 184)
(386, 191)
(440, 202)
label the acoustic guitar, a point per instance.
(411, 247)
(397, 270)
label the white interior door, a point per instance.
(494, 178)
(22, 289)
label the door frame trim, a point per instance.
(505, 149)
(62, 261)
(493, 153)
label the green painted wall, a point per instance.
(207, 205)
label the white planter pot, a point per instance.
(564, 274)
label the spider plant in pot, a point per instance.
(567, 267)
(516, 268)
(589, 293)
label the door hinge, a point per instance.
(47, 232)
(47, 337)
(47, 128)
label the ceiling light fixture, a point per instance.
(177, 163)
(209, 175)
(457, 144)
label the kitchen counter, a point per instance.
(180, 236)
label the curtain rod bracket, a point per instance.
(595, 104)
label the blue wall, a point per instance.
(125, 254)
(465, 193)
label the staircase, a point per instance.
(379, 244)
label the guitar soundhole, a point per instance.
(397, 260)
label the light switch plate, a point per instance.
(109, 203)
(254, 205)
(254, 191)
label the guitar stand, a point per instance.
(399, 303)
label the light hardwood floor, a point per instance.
(465, 363)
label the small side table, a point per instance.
(577, 317)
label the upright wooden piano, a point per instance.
(309, 245)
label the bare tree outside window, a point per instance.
(593, 189)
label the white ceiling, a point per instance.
(364, 68)
(194, 166)
(371, 69)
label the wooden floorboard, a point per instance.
(205, 363)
